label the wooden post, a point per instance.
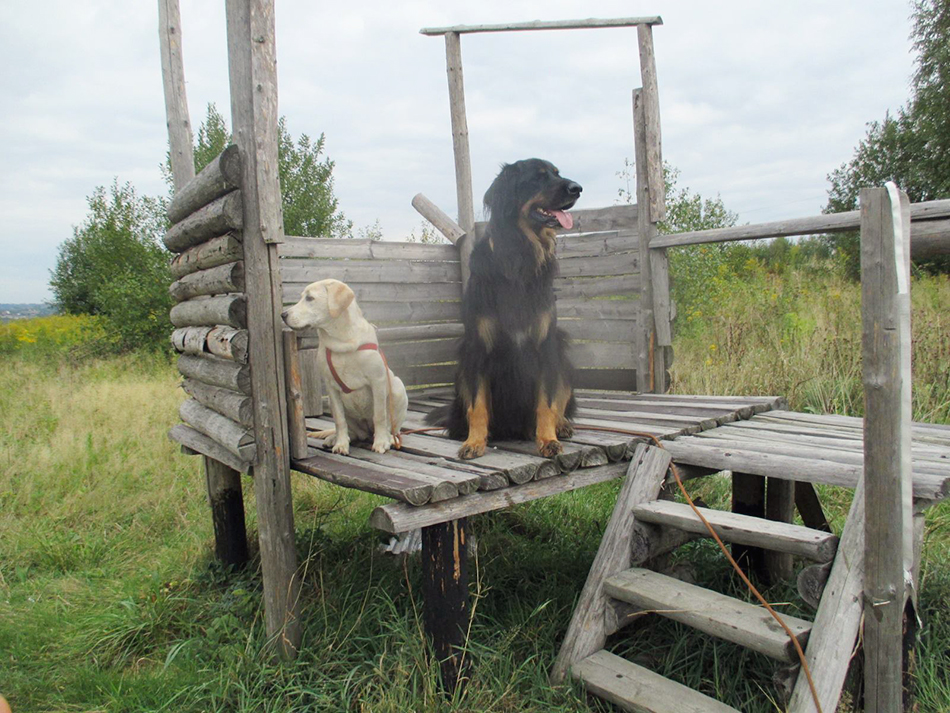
(780, 507)
(223, 482)
(227, 512)
(885, 314)
(252, 59)
(445, 590)
(748, 498)
(463, 159)
(651, 124)
(296, 426)
(650, 374)
(176, 101)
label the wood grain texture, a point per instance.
(222, 175)
(213, 281)
(232, 404)
(176, 100)
(439, 219)
(196, 442)
(238, 439)
(227, 513)
(460, 147)
(217, 251)
(586, 633)
(656, 187)
(886, 356)
(546, 25)
(252, 64)
(296, 426)
(230, 310)
(217, 218)
(216, 372)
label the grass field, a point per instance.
(110, 600)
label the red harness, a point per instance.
(369, 346)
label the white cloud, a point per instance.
(758, 102)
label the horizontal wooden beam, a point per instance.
(222, 175)
(830, 223)
(588, 24)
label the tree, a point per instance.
(115, 266)
(911, 148)
(306, 177)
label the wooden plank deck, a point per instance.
(427, 475)
(756, 435)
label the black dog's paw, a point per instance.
(549, 449)
(565, 429)
(471, 449)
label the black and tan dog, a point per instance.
(514, 378)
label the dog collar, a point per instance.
(369, 346)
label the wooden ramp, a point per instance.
(781, 444)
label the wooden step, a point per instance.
(730, 619)
(638, 689)
(743, 529)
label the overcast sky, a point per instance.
(759, 101)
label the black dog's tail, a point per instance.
(451, 417)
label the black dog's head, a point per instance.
(532, 191)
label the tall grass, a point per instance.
(110, 599)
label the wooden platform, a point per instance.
(812, 448)
(432, 485)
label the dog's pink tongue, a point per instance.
(564, 218)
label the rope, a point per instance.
(798, 647)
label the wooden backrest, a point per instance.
(412, 293)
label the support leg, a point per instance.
(748, 498)
(445, 588)
(779, 507)
(227, 512)
(809, 507)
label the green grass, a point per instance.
(110, 599)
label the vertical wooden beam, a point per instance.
(252, 59)
(779, 507)
(223, 482)
(463, 159)
(445, 590)
(651, 113)
(748, 498)
(297, 428)
(885, 314)
(650, 374)
(310, 382)
(227, 512)
(809, 507)
(176, 100)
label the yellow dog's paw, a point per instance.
(383, 442)
(342, 446)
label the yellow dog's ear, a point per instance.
(339, 296)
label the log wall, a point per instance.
(211, 315)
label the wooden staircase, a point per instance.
(618, 588)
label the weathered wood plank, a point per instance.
(740, 622)
(651, 377)
(198, 443)
(778, 536)
(296, 427)
(398, 517)
(335, 249)
(230, 310)
(634, 688)
(176, 100)
(227, 512)
(616, 264)
(216, 372)
(599, 309)
(252, 60)
(236, 406)
(886, 358)
(810, 470)
(411, 333)
(601, 355)
(586, 633)
(213, 281)
(826, 223)
(545, 25)
(612, 242)
(390, 271)
(605, 330)
(619, 379)
(215, 219)
(230, 434)
(835, 629)
(434, 351)
(217, 251)
(222, 175)
(439, 219)
(371, 478)
(586, 288)
(311, 381)
(656, 187)
(384, 291)
(405, 312)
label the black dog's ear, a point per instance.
(500, 188)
